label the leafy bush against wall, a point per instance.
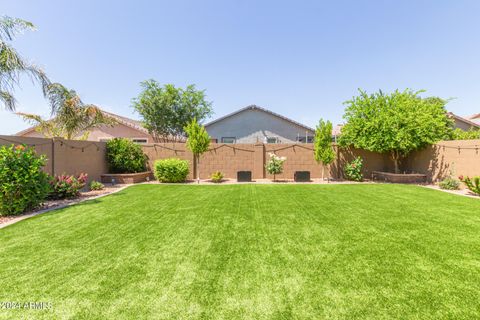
(125, 156)
(171, 170)
(449, 183)
(217, 177)
(353, 170)
(23, 184)
(67, 186)
(473, 184)
(95, 185)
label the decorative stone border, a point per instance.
(73, 202)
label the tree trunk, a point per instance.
(323, 168)
(396, 160)
(197, 160)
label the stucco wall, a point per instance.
(253, 126)
(463, 125)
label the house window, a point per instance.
(308, 139)
(228, 139)
(139, 140)
(272, 140)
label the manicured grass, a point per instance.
(249, 251)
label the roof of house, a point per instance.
(255, 107)
(466, 120)
(134, 124)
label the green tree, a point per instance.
(396, 123)
(198, 142)
(323, 149)
(72, 119)
(459, 134)
(12, 65)
(167, 110)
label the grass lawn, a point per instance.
(249, 251)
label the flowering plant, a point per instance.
(67, 186)
(353, 170)
(275, 164)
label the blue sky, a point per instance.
(302, 59)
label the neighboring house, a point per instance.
(124, 128)
(466, 123)
(254, 124)
(475, 118)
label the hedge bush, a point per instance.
(23, 184)
(171, 170)
(125, 156)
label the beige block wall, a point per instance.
(66, 156)
(231, 158)
(461, 157)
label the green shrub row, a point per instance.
(171, 170)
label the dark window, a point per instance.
(309, 139)
(272, 140)
(228, 139)
(141, 140)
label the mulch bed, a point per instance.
(52, 204)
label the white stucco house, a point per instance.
(254, 124)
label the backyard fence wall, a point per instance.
(231, 158)
(459, 157)
(66, 156)
(437, 161)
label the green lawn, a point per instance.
(249, 251)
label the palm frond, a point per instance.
(9, 27)
(8, 100)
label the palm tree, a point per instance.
(12, 65)
(71, 118)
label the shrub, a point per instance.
(23, 184)
(473, 184)
(353, 170)
(125, 156)
(95, 185)
(171, 170)
(67, 186)
(449, 183)
(217, 177)
(275, 164)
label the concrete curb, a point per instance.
(455, 192)
(26, 216)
